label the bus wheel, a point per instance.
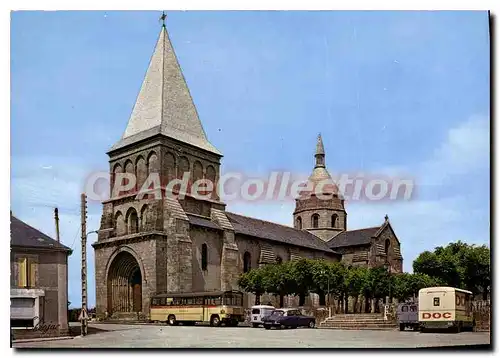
(171, 320)
(401, 327)
(215, 321)
(255, 325)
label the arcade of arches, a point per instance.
(124, 284)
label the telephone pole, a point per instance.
(83, 314)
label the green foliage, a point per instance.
(406, 285)
(457, 265)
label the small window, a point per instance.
(413, 308)
(255, 311)
(334, 220)
(204, 257)
(457, 300)
(315, 221)
(279, 260)
(162, 301)
(247, 262)
(404, 309)
(436, 301)
(299, 223)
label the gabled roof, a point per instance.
(203, 222)
(24, 235)
(276, 232)
(359, 236)
(164, 105)
(353, 237)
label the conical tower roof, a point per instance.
(320, 174)
(164, 104)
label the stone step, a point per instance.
(360, 328)
(358, 315)
(357, 325)
(359, 322)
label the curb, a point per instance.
(41, 339)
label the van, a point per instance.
(407, 314)
(445, 307)
(258, 313)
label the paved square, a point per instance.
(154, 336)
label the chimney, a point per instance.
(56, 217)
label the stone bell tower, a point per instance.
(321, 211)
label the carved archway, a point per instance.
(124, 282)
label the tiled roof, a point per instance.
(276, 232)
(164, 104)
(27, 236)
(199, 221)
(353, 237)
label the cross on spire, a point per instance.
(163, 18)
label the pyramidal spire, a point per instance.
(164, 104)
(320, 153)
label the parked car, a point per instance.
(258, 313)
(408, 316)
(288, 318)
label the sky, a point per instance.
(403, 94)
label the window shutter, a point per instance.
(32, 271)
(21, 272)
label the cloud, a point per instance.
(429, 219)
(421, 224)
(465, 149)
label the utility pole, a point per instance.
(83, 314)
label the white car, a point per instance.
(258, 313)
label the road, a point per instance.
(154, 336)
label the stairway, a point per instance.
(358, 321)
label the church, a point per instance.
(189, 244)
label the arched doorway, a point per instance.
(124, 284)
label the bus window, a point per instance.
(436, 301)
(233, 299)
(162, 302)
(404, 309)
(413, 308)
(457, 301)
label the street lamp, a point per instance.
(323, 272)
(387, 266)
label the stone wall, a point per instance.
(208, 280)
(377, 255)
(51, 276)
(143, 250)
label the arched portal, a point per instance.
(124, 284)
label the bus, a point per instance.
(214, 307)
(445, 307)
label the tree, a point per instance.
(477, 270)
(278, 280)
(457, 265)
(376, 285)
(406, 285)
(302, 275)
(252, 281)
(354, 281)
